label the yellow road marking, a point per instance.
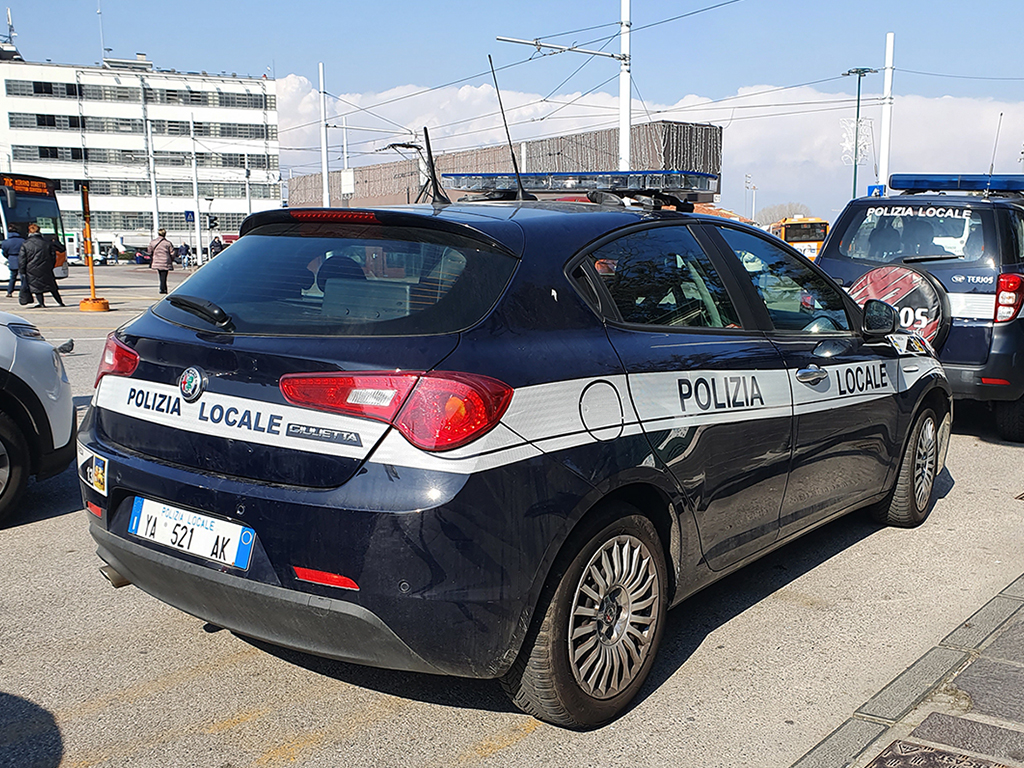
(227, 725)
(499, 741)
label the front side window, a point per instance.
(332, 279)
(797, 297)
(662, 277)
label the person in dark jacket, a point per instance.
(162, 257)
(10, 249)
(35, 263)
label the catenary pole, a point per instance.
(625, 88)
(195, 194)
(326, 193)
(887, 103)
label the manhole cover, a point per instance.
(903, 754)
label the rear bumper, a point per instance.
(1005, 364)
(319, 625)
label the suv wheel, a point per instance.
(598, 630)
(910, 501)
(1010, 420)
(13, 465)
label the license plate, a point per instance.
(206, 537)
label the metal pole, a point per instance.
(625, 87)
(883, 161)
(91, 304)
(248, 187)
(195, 195)
(856, 136)
(326, 193)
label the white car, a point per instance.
(37, 414)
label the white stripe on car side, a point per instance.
(544, 418)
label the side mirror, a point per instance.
(12, 197)
(880, 319)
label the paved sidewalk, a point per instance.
(961, 704)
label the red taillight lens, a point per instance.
(1009, 296)
(353, 217)
(435, 411)
(447, 410)
(118, 359)
(373, 395)
(323, 577)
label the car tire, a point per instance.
(1010, 420)
(599, 624)
(13, 465)
(910, 500)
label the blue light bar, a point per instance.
(662, 181)
(968, 182)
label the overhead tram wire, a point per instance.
(959, 77)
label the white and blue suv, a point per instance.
(37, 414)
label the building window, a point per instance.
(42, 89)
(48, 153)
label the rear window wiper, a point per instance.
(938, 257)
(204, 309)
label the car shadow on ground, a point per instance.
(29, 734)
(688, 625)
(53, 497)
(972, 417)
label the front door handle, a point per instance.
(812, 374)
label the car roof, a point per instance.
(510, 223)
(941, 198)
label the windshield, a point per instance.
(910, 233)
(806, 233)
(316, 279)
(33, 209)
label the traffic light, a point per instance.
(211, 221)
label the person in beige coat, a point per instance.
(162, 253)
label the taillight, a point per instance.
(434, 411)
(1009, 296)
(118, 359)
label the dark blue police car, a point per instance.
(495, 439)
(948, 253)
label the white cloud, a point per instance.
(788, 140)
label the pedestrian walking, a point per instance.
(10, 249)
(162, 254)
(36, 260)
(183, 254)
(216, 246)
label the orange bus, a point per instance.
(804, 233)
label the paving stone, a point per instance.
(903, 754)
(1009, 645)
(1016, 589)
(842, 746)
(962, 733)
(996, 689)
(899, 696)
(987, 620)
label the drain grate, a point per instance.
(903, 754)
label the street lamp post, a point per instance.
(859, 72)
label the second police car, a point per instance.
(496, 439)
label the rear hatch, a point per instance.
(344, 297)
(952, 239)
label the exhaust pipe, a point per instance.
(116, 579)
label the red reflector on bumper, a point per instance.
(1001, 382)
(323, 577)
(94, 508)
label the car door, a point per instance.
(708, 387)
(844, 388)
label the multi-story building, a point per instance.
(155, 147)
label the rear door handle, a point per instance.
(812, 374)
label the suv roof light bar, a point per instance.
(582, 182)
(968, 182)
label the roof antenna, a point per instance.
(437, 192)
(992, 165)
(522, 195)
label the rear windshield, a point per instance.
(928, 233)
(314, 279)
(806, 233)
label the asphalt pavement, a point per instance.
(854, 647)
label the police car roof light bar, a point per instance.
(968, 182)
(581, 182)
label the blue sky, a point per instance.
(377, 51)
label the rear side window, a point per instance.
(662, 277)
(892, 233)
(317, 279)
